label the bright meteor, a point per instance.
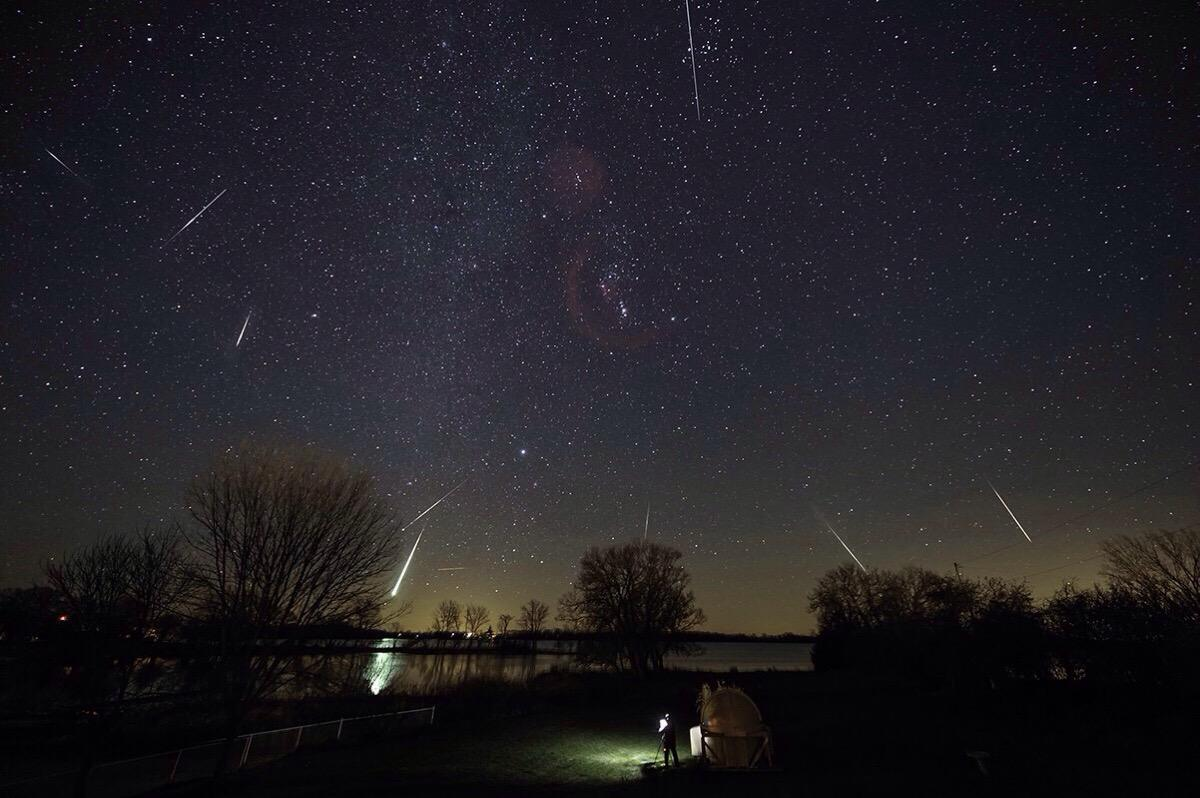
(844, 546)
(243, 332)
(63, 165)
(1010, 512)
(194, 218)
(435, 504)
(404, 570)
(692, 49)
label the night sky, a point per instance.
(908, 248)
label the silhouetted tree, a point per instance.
(926, 624)
(447, 617)
(1142, 625)
(503, 622)
(1105, 634)
(115, 592)
(636, 594)
(533, 616)
(1160, 570)
(1007, 635)
(30, 613)
(157, 581)
(283, 542)
(476, 618)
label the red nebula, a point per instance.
(591, 314)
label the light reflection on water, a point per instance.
(382, 668)
(433, 673)
(437, 672)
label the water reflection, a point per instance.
(407, 672)
(381, 669)
(434, 673)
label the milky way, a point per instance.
(911, 247)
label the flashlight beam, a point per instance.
(1010, 512)
(847, 548)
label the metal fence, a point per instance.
(128, 777)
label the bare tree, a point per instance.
(156, 581)
(284, 542)
(847, 598)
(447, 617)
(503, 622)
(638, 595)
(918, 622)
(1160, 570)
(93, 582)
(476, 617)
(533, 616)
(116, 591)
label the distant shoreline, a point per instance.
(366, 642)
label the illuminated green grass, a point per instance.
(542, 753)
(547, 751)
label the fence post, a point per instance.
(174, 766)
(245, 751)
(340, 724)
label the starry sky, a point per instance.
(907, 249)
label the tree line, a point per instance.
(1140, 624)
(281, 548)
(450, 616)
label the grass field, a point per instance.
(542, 754)
(833, 736)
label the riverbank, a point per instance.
(593, 734)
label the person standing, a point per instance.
(666, 736)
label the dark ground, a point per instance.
(834, 735)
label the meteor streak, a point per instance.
(194, 218)
(844, 546)
(459, 568)
(404, 570)
(646, 531)
(1010, 512)
(243, 332)
(435, 504)
(63, 165)
(692, 49)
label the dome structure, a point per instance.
(730, 711)
(731, 733)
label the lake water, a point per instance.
(435, 672)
